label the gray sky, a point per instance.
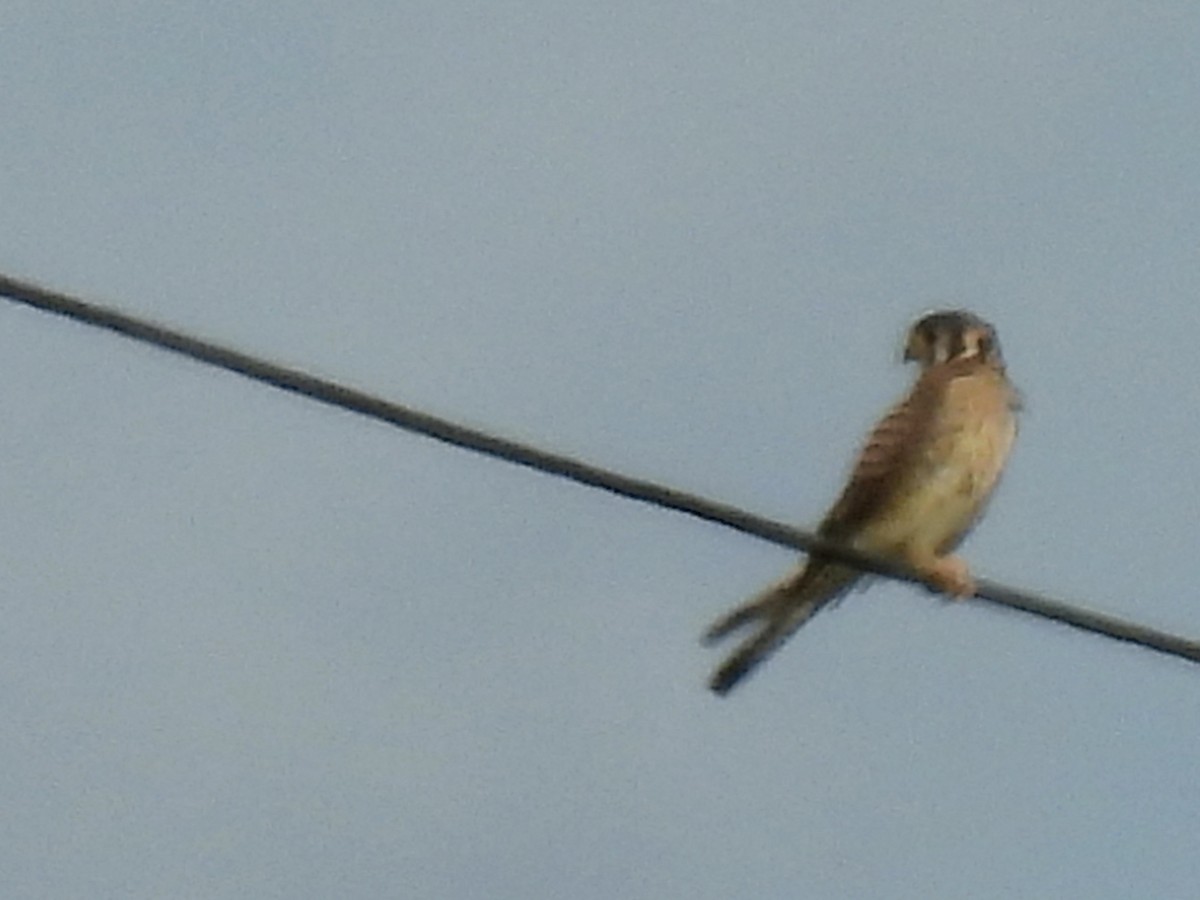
(256, 648)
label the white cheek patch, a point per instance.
(970, 344)
(942, 347)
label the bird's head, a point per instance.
(949, 335)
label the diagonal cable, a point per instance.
(334, 394)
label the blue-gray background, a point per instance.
(253, 647)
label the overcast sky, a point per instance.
(254, 647)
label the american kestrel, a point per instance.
(920, 484)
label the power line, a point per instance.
(337, 395)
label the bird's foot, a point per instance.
(950, 575)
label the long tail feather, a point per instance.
(758, 607)
(782, 609)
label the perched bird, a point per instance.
(920, 484)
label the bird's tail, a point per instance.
(779, 610)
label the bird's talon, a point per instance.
(952, 577)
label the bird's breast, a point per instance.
(952, 473)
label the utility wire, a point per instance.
(337, 395)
